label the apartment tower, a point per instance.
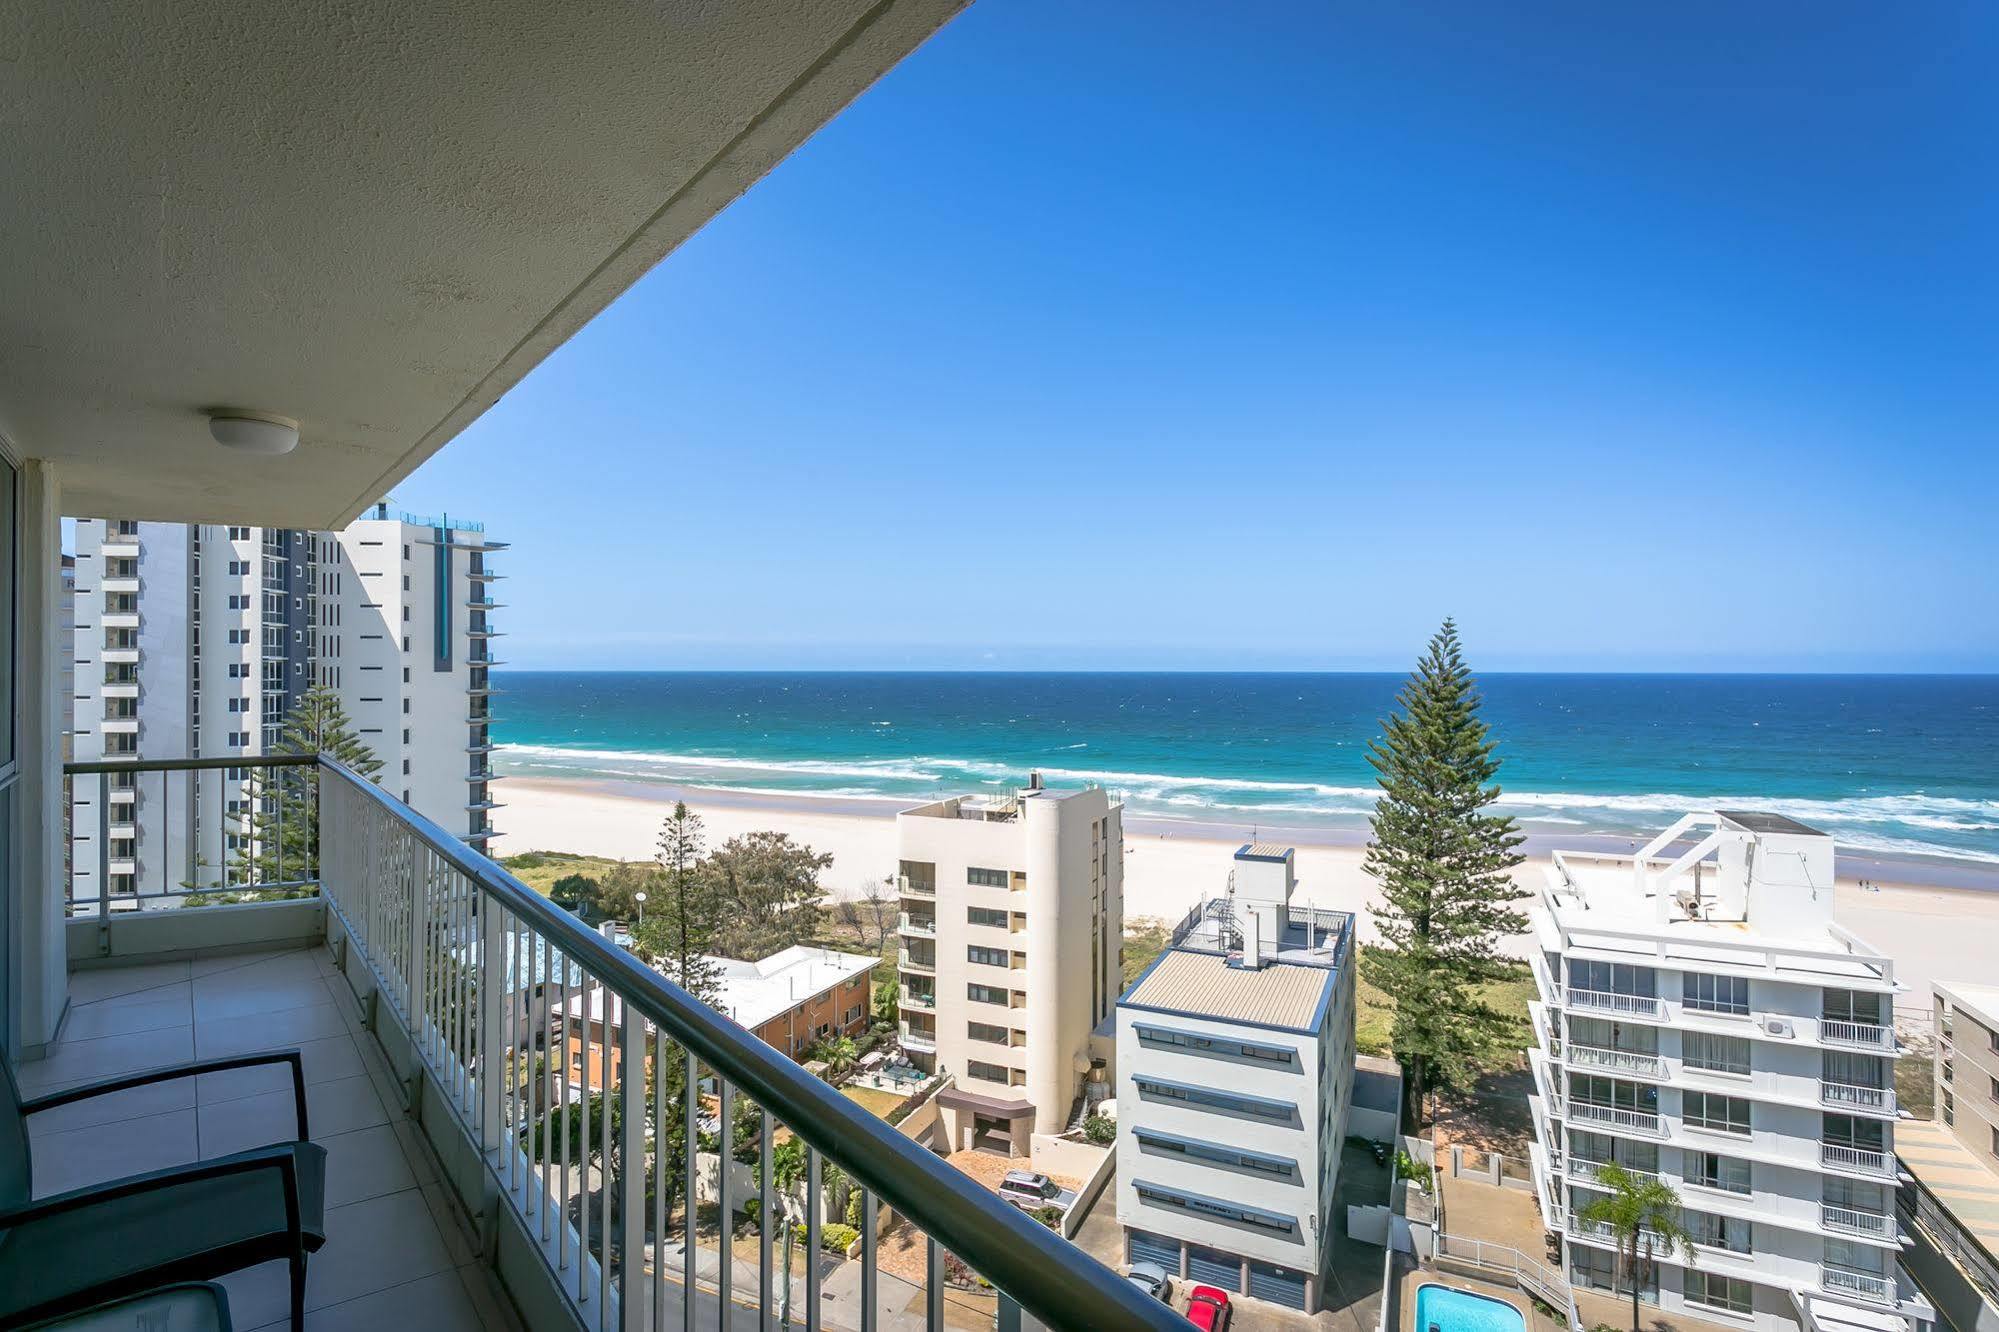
(197, 641)
(1012, 920)
(1704, 1020)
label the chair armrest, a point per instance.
(147, 1079)
(278, 1157)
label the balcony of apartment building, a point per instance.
(421, 986)
(918, 992)
(919, 925)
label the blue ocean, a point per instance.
(1894, 766)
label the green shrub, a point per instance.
(836, 1238)
(854, 1209)
(1048, 1215)
(1408, 1167)
(1100, 1129)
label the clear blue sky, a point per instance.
(1148, 335)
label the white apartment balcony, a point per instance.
(118, 585)
(122, 795)
(120, 865)
(1646, 1007)
(119, 725)
(119, 619)
(484, 634)
(127, 689)
(1853, 1221)
(1632, 1062)
(416, 973)
(1857, 1160)
(121, 548)
(483, 604)
(909, 887)
(923, 926)
(911, 962)
(1857, 1035)
(1617, 1117)
(120, 656)
(1584, 1172)
(476, 805)
(1850, 1281)
(1851, 1097)
(485, 748)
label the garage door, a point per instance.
(1279, 1285)
(1147, 1247)
(1212, 1267)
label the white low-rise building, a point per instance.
(1703, 1019)
(1235, 1059)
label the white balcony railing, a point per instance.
(1584, 1172)
(918, 1040)
(1607, 1001)
(484, 990)
(1860, 1035)
(1853, 1221)
(1847, 1095)
(1862, 1160)
(1850, 1281)
(1616, 1116)
(925, 926)
(1617, 1061)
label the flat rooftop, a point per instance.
(755, 992)
(1980, 1000)
(1210, 985)
(1958, 1180)
(1760, 821)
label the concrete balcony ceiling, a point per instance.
(374, 218)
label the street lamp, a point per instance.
(642, 908)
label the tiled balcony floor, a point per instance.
(395, 1256)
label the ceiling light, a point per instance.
(253, 432)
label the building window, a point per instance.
(986, 1072)
(985, 916)
(1716, 1291)
(1717, 1232)
(1219, 1045)
(986, 994)
(985, 878)
(1716, 994)
(1193, 1148)
(986, 1031)
(990, 957)
(1711, 1170)
(1256, 1106)
(1715, 1054)
(1717, 1114)
(1216, 1207)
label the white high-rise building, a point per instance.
(1235, 1055)
(406, 638)
(195, 641)
(1012, 927)
(1703, 1019)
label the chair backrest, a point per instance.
(16, 1183)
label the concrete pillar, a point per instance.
(42, 992)
(1047, 1059)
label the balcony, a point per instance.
(1857, 1035)
(1853, 1221)
(914, 962)
(409, 970)
(125, 619)
(924, 1042)
(909, 887)
(1859, 1160)
(924, 926)
(119, 585)
(1616, 1061)
(1584, 1172)
(1850, 1281)
(117, 547)
(922, 1001)
(1617, 1117)
(1850, 1096)
(1644, 1006)
(120, 656)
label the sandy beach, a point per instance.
(1932, 932)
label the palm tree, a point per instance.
(839, 1052)
(1641, 1213)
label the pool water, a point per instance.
(1449, 1310)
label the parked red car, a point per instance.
(1208, 1308)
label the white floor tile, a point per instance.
(437, 1303)
(158, 1099)
(106, 1056)
(86, 987)
(370, 1246)
(332, 1108)
(85, 1156)
(366, 1163)
(324, 1061)
(148, 1010)
(217, 1037)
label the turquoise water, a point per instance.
(1449, 1310)
(1893, 766)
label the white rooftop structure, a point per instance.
(755, 992)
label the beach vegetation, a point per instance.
(1447, 895)
(677, 933)
(870, 918)
(766, 891)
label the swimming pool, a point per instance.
(1448, 1310)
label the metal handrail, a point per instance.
(1045, 1274)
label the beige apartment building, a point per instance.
(1012, 920)
(1949, 1198)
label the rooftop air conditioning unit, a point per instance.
(1776, 1026)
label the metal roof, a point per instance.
(1209, 985)
(1759, 821)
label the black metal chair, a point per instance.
(67, 1253)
